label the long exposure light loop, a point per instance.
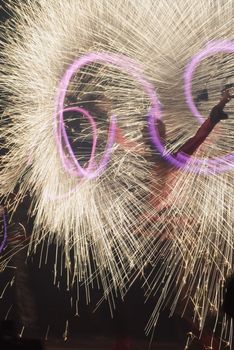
(212, 165)
(125, 64)
(4, 241)
(217, 164)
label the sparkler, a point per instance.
(97, 218)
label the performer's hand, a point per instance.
(226, 96)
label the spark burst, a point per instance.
(100, 217)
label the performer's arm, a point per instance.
(216, 114)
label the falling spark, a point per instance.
(3, 292)
(8, 312)
(22, 331)
(65, 334)
(47, 332)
